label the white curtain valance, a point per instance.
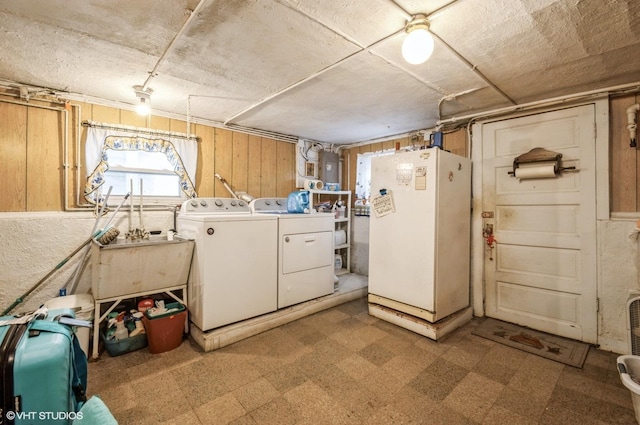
(181, 153)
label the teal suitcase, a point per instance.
(43, 369)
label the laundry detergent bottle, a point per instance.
(298, 202)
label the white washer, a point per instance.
(234, 272)
(305, 251)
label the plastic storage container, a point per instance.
(629, 370)
(83, 305)
(298, 202)
(126, 345)
(164, 332)
(332, 186)
(337, 261)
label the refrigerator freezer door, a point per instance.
(401, 244)
(419, 253)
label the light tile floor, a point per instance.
(342, 366)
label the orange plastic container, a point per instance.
(164, 333)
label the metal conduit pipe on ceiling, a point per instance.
(341, 61)
(541, 103)
(363, 48)
(306, 79)
(464, 60)
(185, 25)
(467, 119)
(154, 71)
(203, 121)
(407, 16)
(473, 68)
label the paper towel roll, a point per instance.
(535, 172)
(310, 184)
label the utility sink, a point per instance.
(126, 267)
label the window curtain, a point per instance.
(181, 153)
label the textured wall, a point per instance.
(618, 268)
(360, 245)
(33, 244)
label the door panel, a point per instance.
(548, 268)
(541, 273)
(536, 303)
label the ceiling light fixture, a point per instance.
(418, 44)
(144, 95)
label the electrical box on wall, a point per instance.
(328, 167)
(306, 161)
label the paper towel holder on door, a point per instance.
(541, 163)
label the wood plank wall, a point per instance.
(456, 142)
(624, 160)
(33, 166)
(13, 157)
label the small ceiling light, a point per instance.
(144, 95)
(418, 44)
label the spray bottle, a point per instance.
(121, 330)
(137, 319)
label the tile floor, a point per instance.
(342, 366)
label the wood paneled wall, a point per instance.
(33, 167)
(625, 160)
(13, 157)
(33, 163)
(31, 158)
(456, 142)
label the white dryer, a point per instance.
(305, 251)
(234, 271)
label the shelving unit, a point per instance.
(341, 223)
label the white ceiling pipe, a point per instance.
(632, 112)
(539, 103)
(272, 96)
(191, 15)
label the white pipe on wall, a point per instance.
(540, 103)
(632, 112)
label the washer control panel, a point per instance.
(215, 206)
(269, 205)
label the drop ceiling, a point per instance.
(323, 70)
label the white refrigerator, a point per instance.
(419, 246)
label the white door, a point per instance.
(541, 272)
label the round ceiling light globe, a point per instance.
(417, 46)
(143, 109)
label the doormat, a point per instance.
(552, 347)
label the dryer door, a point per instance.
(305, 251)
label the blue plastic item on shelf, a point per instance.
(298, 202)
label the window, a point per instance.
(128, 168)
(126, 161)
(363, 173)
